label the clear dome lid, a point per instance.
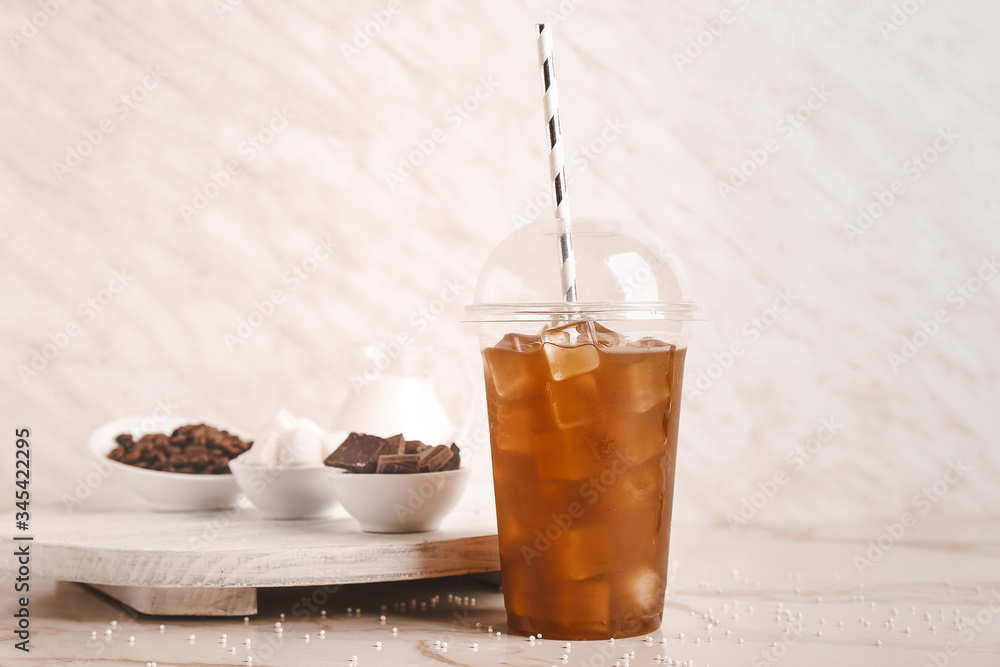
(621, 274)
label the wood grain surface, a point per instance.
(242, 550)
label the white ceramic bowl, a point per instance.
(286, 492)
(409, 503)
(164, 491)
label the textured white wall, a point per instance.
(881, 92)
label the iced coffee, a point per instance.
(583, 427)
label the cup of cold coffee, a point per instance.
(584, 405)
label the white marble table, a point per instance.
(755, 584)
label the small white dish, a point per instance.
(164, 491)
(406, 503)
(286, 492)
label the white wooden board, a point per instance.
(122, 550)
(185, 601)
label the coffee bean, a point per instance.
(193, 449)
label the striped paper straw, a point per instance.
(550, 102)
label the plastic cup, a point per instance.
(584, 407)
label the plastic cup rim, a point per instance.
(684, 311)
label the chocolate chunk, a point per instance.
(359, 453)
(433, 459)
(415, 447)
(398, 463)
(398, 444)
(454, 461)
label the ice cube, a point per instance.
(648, 343)
(585, 602)
(536, 502)
(519, 342)
(574, 400)
(520, 592)
(641, 488)
(639, 436)
(571, 349)
(560, 334)
(508, 469)
(572, 454)
(648, 588)
(579, 553)
(639, 378)
(515, 366)
(606, 337)
(567, 362)
(513, 425)
(574, 333)
(513, 529)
